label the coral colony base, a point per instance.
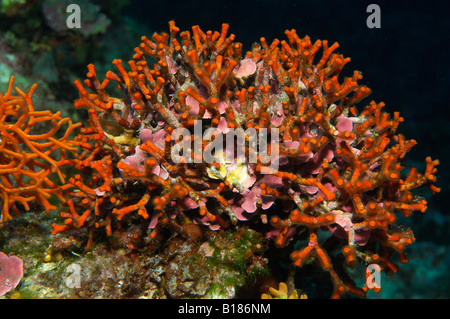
(196, 131)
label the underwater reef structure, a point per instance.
(34, 145)
(330, 181)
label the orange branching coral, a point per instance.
(331, 169)
(27, 155)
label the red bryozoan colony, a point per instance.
(334, 170)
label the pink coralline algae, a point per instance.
(11, 272)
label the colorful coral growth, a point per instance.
(282, 293)
(339, 171)
(29, 148)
